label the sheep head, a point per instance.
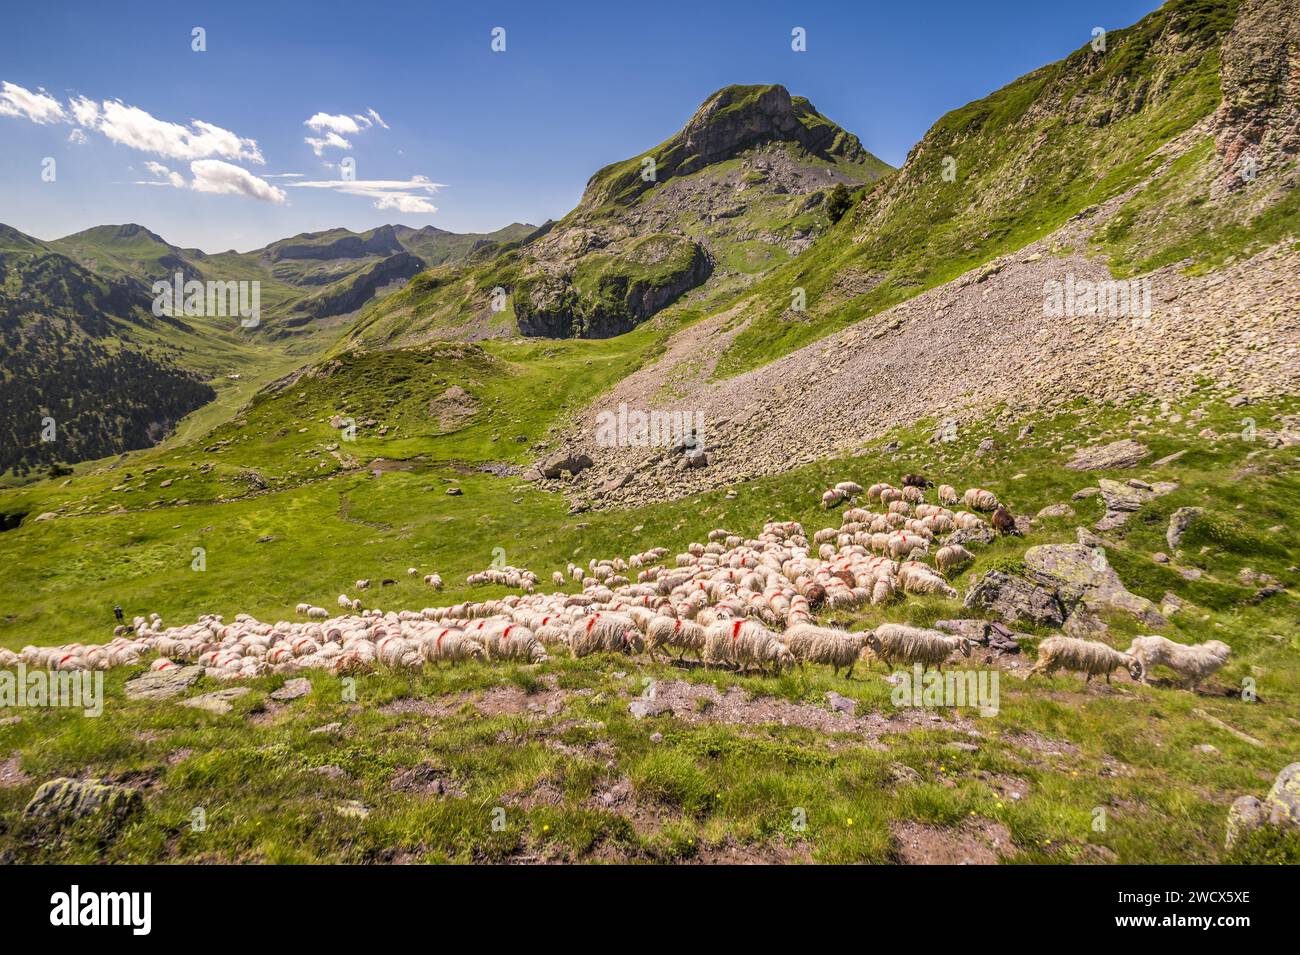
(1134, 666)
(963, 644)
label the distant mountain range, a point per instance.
(80, 344)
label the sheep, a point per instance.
(668, 632)
(1003, 522)
(1083, 656)
(558, 578)
(744, 642)
(917, 578)
(452, 645)
(605, 632)
(849, 488)
(832, 498)
(434, 581)
(952, 557)
(835, 648)
(978, 499)
(1193, 662)
(948, 495)
(916, 480)
(363, 584)
(318, 613)
(898, 643)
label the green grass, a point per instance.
(706, 788)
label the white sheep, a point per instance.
(896, 643)
(745, 643)
(1083, 656)
(451, 645)
(952, 557)
(1193, 662)
(834, 648)
(978, 499)
(685, 635)
(605, 632)
(948, 495)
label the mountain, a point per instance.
(78, 378)
(1167, 110)
(80, 342)
(737, 191)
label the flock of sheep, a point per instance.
(747, 604)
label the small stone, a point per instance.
(961, 747)
(292, 690)
(1207, 749)
(219, 701)
(656, 737)
(329, 729)
(454, 492)
(842, 704)
(1160, 557)
(1085, 492)
(1056, 510)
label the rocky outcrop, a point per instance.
(1280, 808)
(163, 684)
(1064, 586)
(1081, 575)
(1117, 454)
(551, 306)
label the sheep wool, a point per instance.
(1083, 656)
(1193, 662)
(897, 643)
(837, 649)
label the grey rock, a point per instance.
(1056, 510)
(642, 707)
(1280, 808)
(69, 799)
(558, 463)
(1084, 493)
(1080, 574)
(292, 690)
(353, 809)
(218, 701)
(1117, 454)
(842, 704)
(329, 729)
(163, 684)
(1179, 521)
(1015, 600)
(965, 536)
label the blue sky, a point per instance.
(508, 136)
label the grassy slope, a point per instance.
(1028, 157)
(707, 786)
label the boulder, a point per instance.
(70, 799)
(292, 690)
(1016, 599)
(1056, 510)
(561, 461)
(1082, 575)
(1122, 499)
(1117, 454)
(965, 536)
(1281, 807)
(163, 684)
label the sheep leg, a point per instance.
(848, 674)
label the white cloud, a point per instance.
(77, 137)
(320, 144)
(399, 194)
(138, 129)
(39, 107)
(335, 126)
(165, 176)
(282, 175)
(129, 126)
(213, 175)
